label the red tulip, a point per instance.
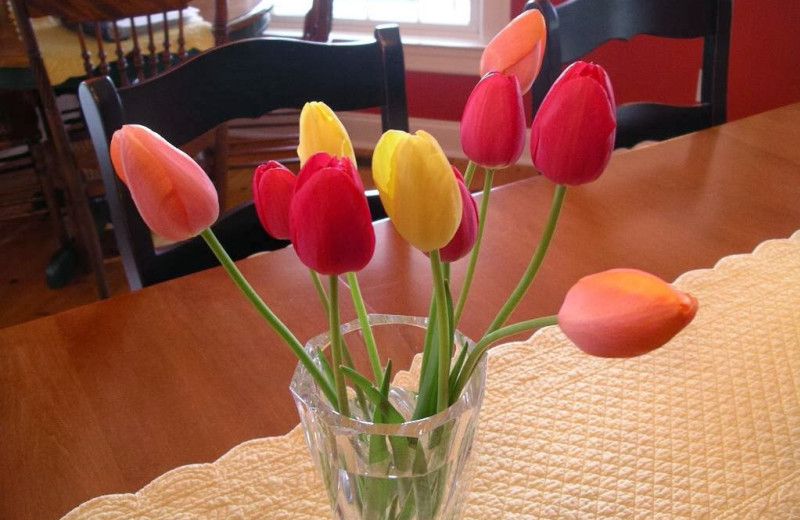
(624, 313)
(171, 191)
(572, 136)
(493, 122)
(329, 220)
(273, 185)
(464, 239)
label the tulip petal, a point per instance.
(493, 123)
(624, 313)
(572, 135)
(329, 220)
(417, 188)
(173, 194)
(467, 231)
(321, 131)
(273, 185)
(517, 49)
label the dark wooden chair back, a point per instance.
(238, 80)
(575, 27)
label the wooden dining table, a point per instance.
(106, 397)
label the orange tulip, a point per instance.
(517, 49)
(171, 191)
(624, 313)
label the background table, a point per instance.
(105, 398)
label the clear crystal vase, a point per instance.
(414, 470)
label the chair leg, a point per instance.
(88, 240)
(48, 191)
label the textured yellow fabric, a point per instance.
(706, 427)
(61, 50)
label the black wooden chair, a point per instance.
(238, 80)
(575, 27)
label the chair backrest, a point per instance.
(575, 27)
(242, 79)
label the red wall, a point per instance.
(763, 71)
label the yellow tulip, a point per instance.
(321, 131)
(417, 188)
(517, 49)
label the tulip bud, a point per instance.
(573, 132)
(417, 188)
(624, 313)
(467, 231)
(171, 191)
(517, 49)
(273, 185)
(493, 122)
(329, 220)
(321, 131)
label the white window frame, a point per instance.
(452, 50)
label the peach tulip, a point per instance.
(624, 313)
(493, 123)
(273, 185)
(517, 49)
(572, 135)
(171, 191)
(417, 188)
(321, 131)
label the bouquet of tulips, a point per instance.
(323, 211)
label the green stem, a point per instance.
(483, 345)
(262, 308)
(366, 330)
(468, 173)
(442, 331)
(337, 358)
(428, 370)
(535, 263)
(473, 256)
(320, 290)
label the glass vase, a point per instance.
(414, 470)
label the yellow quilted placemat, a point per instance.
(706, 427)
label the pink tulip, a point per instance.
(467, 231)
(624, 313)
(329, 220)
(493, 122)
(273, 185)
(572, 135)
(518, 49)
(171, 191)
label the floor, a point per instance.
(29, 242)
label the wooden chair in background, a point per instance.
(575, 27)
(243, 79)
(274, 136)
(103, 54)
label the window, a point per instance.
(438, 35)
